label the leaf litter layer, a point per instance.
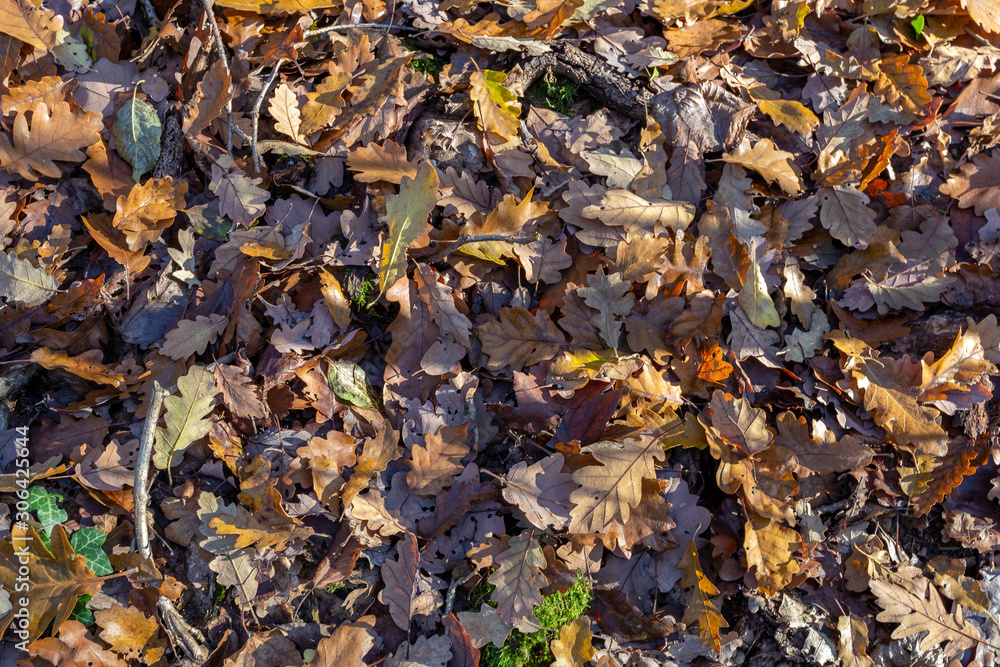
(568, 333)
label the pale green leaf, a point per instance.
(406, 215)
(22, 282)
(137, 131)
(350, 384)
(756, 302)
(186, 417)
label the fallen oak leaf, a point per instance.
(775, 165)
(573, 646)
(57, 577)
(132, 634)
(519, 339)
(518, 581)
(408, 592)
(917, 606)
(55, 134)
(186, 417)
(609, 491)
(191, 337)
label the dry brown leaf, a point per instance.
(518, 581)
(609, 296)
(347, 645)
(519, 339)
(30, 23)
(148, 210)
(408, 593)
(434, 465)
(57, 577)
(609, 491)
(775, 165)
(375, 163)
(239, 393)
(541, 491)
(770, 547)
(572, 648)
(975, 185)
(132, 634)
(55, 134)
(917, 606)
(89, 365)
(190, 337)
(700, 607)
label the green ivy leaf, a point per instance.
(918, 24)
(88, 542)
(46, 508)
(350, 384)
(81, 613)
(137, 132)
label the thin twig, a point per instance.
(190, 639)
(220, 50)
(351, 26)
(517, 240)
(140, 487)
(255, 114)
(450, 599)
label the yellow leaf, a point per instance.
(507, 218)
(573, 648)
(700, 608)
(902, 85)
(960, 367)
(132, 634)
(264, 250)
(775, 165)
(88, 365)
(279, 7)
(769, 546)
(336, 302)
(495, 107)
(793, 115)
(893, 405)
(755, 301)
(406, 216)
(148, 210)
